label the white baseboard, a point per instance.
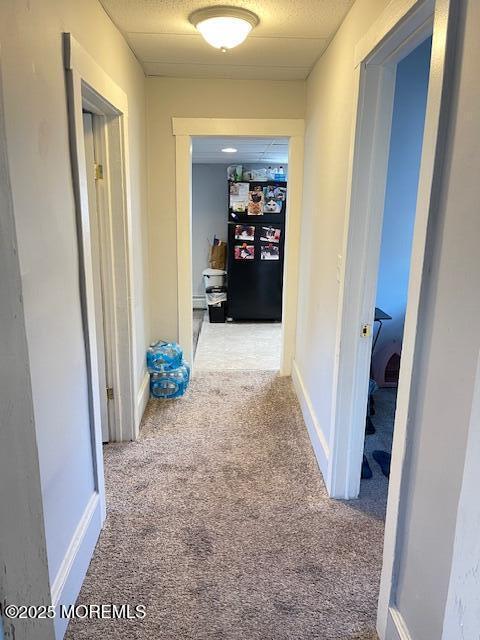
(69, 579)
(318, 440)
(199, 302)
(142, 399)
(396, 626)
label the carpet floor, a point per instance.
(219, 523)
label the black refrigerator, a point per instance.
(256, 239)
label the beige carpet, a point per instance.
(219, 523)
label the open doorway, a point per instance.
(93, 126)
(239, 212)
(185, 130)
(405, 150)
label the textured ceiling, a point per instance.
(269, 150)
(291, 35)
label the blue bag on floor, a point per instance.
(170, 384)
(164, 356)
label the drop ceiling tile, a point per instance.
(267, 52)
(189, 70)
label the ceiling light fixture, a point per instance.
(224, 27)
(229, 150)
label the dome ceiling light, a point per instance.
(224, 27)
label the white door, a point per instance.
(94, 172)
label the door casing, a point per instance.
(399, 29)
(183, 130)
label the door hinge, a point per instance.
(109, 393)
(98, 171)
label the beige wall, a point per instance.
(329, 112)
(39, 160)
(168, 97)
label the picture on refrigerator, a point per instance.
(239, 192)
(271, 234)
(270, 252)
(274, 199)
(244, 252)
(255, 201)
(244, 232)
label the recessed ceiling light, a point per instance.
(224, 27)
(229, 150)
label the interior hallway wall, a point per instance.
(194, 98)
(409, 106)
(209, 216)
(329, 114)
(39, 159)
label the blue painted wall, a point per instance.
(401, 193)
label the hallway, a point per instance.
(219, 523)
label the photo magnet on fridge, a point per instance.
(255, 201)
(271, 234)
(239, 196)
(274, 199)
(244, 251)
(269, 252)
(244, 232)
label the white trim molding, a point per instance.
(142, 398)
(183, 130)
(89, 85)
(431, 169)
(396, 626)
(74, 565)
(317, 437)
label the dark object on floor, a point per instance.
(217, 312)
(369, 427)
(366, 471)
(383, 458)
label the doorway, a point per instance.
(185, 129)
(405, 149)
(398, 31)
(239, 211)
(101, 256)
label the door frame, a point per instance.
(88, 86)
(400, 28)
(183, 130)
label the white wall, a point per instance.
(39, 160)
(209, 216)
(329, 114)
(400, 198)
(442, 413)
(195, 98)
(462, 612)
